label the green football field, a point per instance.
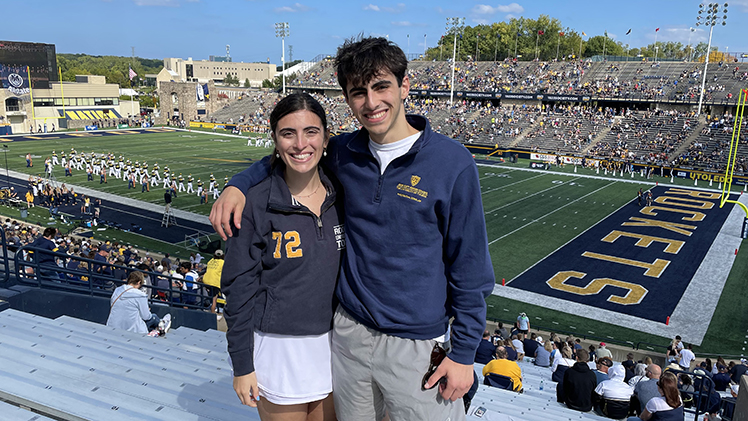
(194, 153)
(528, 216)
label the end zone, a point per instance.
(641, 265)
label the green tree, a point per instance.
(246, 83)
(595, 46)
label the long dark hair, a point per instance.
(291, 104)
(668, 383)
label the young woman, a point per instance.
(665, 407)
(280, 273)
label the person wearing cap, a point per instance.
(603, 366)
(611, 397)
(721, 379)
(603, 351)
(739, 370)
(212, 278)
(523, 323)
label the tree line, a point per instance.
(114, 68)
(546, 38)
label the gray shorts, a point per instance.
(373, 373)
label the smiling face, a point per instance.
(300, 140)
(378, 106)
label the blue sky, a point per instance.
(199, 28)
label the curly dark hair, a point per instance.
(359, 60)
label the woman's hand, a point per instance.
(246, 389)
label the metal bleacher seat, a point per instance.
(72, 369)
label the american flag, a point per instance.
(132, 73)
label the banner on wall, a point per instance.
(15, 79)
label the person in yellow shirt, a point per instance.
(29, 199)
(212, 277)
(501, 365)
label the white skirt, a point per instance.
(293, 369)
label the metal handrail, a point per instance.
(4, 260)
(31, 272)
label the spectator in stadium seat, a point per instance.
(505, 367)
(673, 350)
(543, 354)
(129, 307)
(687, 357)
(603, 351)
(593, 354)
(721, 379)
(611, 397)
(739, 370)
(578, 383)
(46, 261)
(647, 389)
(519, 346)
(486, 350)
(640, 374)
(511, 352)
(502, 331)
(530, 345)
(602, 367)
(560, 365)
(667, 405)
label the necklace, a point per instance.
(310, 194)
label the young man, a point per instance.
(417, 249)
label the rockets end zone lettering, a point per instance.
(639, 260)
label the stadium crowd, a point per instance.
(592, 379)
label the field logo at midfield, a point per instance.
(639, 260)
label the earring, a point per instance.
(277, 155)
(324, 152)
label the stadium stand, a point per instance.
(73, 369)
(654, 136)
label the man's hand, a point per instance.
(247, 390)
(459, 379)
(230, 201)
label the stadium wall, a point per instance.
(739, 179)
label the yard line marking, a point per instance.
(527, 197)
(511, 184)
(494, 175)
(548, 214)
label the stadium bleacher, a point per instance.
(74, 369)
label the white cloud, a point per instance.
(296, 7)
(510, 8)
(681, 34)
(400, 7)
(483, 13)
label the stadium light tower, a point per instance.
(282, 31)
(709, 16)
(455, 26)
